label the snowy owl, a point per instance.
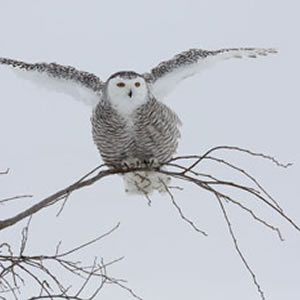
(130, 126)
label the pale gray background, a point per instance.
(46, 139)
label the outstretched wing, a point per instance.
(83, 86)
(166, 76)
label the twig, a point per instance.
(23, 267)
(236, 246)
(90, 242)
(247, 175)
(191, 223)
(202, 184)
(2, 201)
(25, 232)
(255, 217)
(63, 205)
(11, 265)
(234, 148)
(55, 197)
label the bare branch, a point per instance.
(56, 197)
(186, 168)
(255, 217)
(25, 232)
(2, 201)
(237, 248)
(207, 186)
(63, 205)
(234, 148)
(83, 182)
(191, 223)
(15, 269)
(90, 242)
(248, 176)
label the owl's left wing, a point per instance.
(166, 76)
(83, 86)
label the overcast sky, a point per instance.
(46, 140)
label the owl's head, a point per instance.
(126, 91)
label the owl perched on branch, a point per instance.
(131, 127)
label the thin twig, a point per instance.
(35, 267)
(90, 242)
(63, 205)
(237, 248)
(4, 172)
(11, 265)
(191, 223)
(234, 148)
(247, 175)
(2, 201)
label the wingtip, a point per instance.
(267, 51)
(262, 52)
(273, 50)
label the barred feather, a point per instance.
(151, 134)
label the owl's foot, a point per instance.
(151, 163)
(131, 164)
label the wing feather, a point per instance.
(166, 76)
(83, 86)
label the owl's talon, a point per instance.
(131, 164)
(148, 163)
(125, 165)
(152, 163)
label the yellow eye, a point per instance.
(120, 84)
(137, 84)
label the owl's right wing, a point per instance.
(168, 74)
(83, 86)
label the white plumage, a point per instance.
(131, 127)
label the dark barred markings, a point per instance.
(91, 81)
(194, 56)
(153, 134)
(54, 70)
(185, 58)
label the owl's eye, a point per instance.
(120, 84)
(137, 84)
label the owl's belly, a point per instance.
(117, 150)
(147, 138)
(118, 146)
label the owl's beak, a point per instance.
(130, 93)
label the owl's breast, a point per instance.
(150, 132)
(113, 135)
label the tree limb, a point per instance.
(185, 168)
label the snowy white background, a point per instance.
(46, 140)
